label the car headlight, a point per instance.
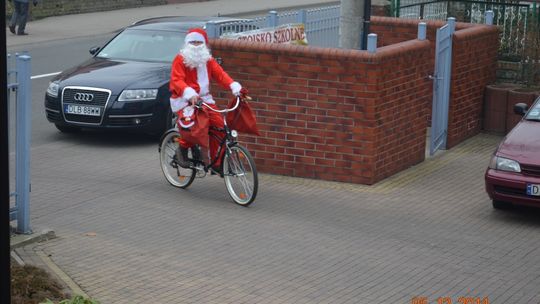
(139, 94)
(52, 90)
(504, 164)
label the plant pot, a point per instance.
(524, 95)
(495, 104)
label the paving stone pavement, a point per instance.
(125, 236)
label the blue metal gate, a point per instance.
(19, 84)
(441, 86)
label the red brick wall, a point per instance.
(403, 106)
(473, 67)
(331, 114)
(350, 116)
(394, 30)
(474, 62)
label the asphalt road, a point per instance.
(47, 58)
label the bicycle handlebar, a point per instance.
(200, 103)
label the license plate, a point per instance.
(82, 110)
(533, 189)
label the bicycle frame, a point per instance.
(237, 168)
(228, 139)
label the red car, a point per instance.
(513, 176)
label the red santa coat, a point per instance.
(188, 82)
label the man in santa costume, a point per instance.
(192, 70)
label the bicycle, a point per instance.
(237, 165)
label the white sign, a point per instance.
(292, 33)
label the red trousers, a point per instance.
(216, 120)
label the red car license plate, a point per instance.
(533, 189)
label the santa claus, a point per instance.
(192, 70)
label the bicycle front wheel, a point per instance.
(168, 157)
(240, 175)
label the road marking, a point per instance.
(45, 75)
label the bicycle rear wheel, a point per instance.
(168, 156)
(240, 175)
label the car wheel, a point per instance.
(67, 129)
(500, 205)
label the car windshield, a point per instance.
(534, 113)
(144, 45)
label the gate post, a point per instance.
(489, 17)
(452, 24)
(372, 43)
(397, 5)
(302, 16)
(422, 31)
(272, 19)
(24, 115)
(212, 30)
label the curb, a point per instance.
(64, 277)
(21, 240)
(18, 241)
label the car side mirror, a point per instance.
(94, 50)
(520, 108)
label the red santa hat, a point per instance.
(196, 34)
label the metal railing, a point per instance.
(19, 110)
(321, 24)
(512, 18)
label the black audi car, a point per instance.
(125, 85)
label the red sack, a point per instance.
(193, 124)
(243, 118)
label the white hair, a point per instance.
(195, 55)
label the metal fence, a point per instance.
(512, 18)
(19, 110)
(321, 24)
(414, 9)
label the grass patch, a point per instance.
(33, 285)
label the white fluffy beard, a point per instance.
(195, 56)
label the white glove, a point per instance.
(235, 88)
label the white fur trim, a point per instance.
(235, 88)
(194, 36)
(202, 80)
(185, 126)
(187, 112)
(177, 104)
(189, 93)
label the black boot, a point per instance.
(182, 157)
(196, 153)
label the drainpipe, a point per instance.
(367, 20)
